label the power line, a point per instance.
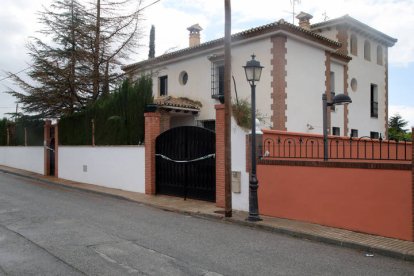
(5, 78)
(149, 5)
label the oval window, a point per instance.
(183, 78)
(354, 84)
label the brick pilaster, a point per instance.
(279, 84)
(56, 152)
(342, 37)
(386, 93)
(152, 130)
(220, 161)
(165, 121)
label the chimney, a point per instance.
(304, 20)
(194, 35)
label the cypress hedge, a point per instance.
(118, 118)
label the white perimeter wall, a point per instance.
(24, 158)
(240, 201)
(119, 167)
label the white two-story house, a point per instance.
(300, 63)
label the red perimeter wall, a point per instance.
(375, 201)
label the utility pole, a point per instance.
(227, 108)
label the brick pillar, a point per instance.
(56, 127)
(152, 130)
(46, 142)
(220, 162)
(412, 182)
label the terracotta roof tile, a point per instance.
(272, 27)
(169, 101)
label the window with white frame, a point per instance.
(336, 131)
(163, 84)
(217, 80)
(374, 135)
(374, 101)
(354, 133)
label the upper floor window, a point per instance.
(217, 80)
(354, 45)
(336, 131)
(379, 55)
(163, 85)
(367, 50)
(374, 101)
(354, 133)
(374, 135)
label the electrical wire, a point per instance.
(5, 78)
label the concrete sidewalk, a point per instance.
(364, 242)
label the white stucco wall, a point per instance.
(337, 116)
(366, 73)
(119, 167)
(240, 201)
(240, 55)
(305, 85)
(198, 68)
(25, 158)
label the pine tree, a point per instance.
(396, 125)
(58, 84)
(81, 62)
(116, 35)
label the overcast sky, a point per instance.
(18, 22)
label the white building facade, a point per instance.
(300, 64)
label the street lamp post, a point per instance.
(340, 99)
(253, 72)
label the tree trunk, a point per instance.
(96, 51)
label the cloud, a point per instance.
(394, 18)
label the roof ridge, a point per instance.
(239, 35)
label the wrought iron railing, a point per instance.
(311, 147)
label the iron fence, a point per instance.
(310, 147)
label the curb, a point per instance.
(279, 230)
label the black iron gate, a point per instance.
(185, 163)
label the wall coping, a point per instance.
(102, 146)
(338, 164)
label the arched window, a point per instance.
(367, 50)
(354, 45)
(379, 55)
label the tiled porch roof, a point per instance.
(177, 103)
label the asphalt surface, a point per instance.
(51, 230)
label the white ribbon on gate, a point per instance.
(187, 161)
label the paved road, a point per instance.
(50, 230)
